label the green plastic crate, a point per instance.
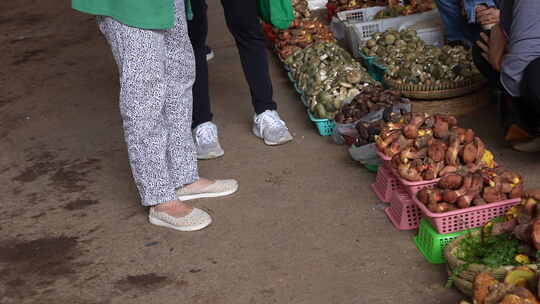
(372, 168)
(376, 71)
(431, 244)
(324, 126)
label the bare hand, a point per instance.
(493, 47)
(486, 16)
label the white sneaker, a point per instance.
(206, 141)
(210, 55)
(270, 127)
(197, 219)
(220, 187)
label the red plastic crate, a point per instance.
(467, 218)
(385, 184)
(403, 212)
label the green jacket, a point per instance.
(146, 14)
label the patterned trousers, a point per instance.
(157, 71)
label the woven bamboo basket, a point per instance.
(442, 91)
(464, 280)
(457, 106)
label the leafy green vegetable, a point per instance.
(493, 251)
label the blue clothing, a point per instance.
(520, 20)
(457, 27)
(470, 8)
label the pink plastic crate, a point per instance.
(385, 184)
(386, 160)
(467, 218)
(403, 212)
(413, 187)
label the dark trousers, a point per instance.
(243, 23)
(524, 110)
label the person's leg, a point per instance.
(454, 23)
(198, 32)
(243, 23)
(140, 56)
(179, 78)
(531, 100)
(179, 102)
(531, 90)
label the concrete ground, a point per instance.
(304, 227)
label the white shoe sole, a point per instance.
(210, 56)
(211, 156)
(158, 222)
(184, 198)
(270, 143)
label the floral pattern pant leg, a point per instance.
(157, 71)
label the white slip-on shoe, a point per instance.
(270, 127)
(197, 219)
(206, 141)
(219, 188)
(530, 146)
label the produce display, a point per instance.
(512, 242)
(463, 190)
(518, 287)
(424, 147)
(371, 99)
(403, 10)
(301, 34)
(522, 222)
(345, 5)
(417, 146)
(327, 75)
(409, 60)
(301, 9)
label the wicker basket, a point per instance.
(464, 280)
(457, 106)
(429, 92)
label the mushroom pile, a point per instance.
(346, 5)
(424, 147)
(465, 189)
(301, 34)
(414, 7)
(409, 60)
(301, 9)
(327, 75)
(371, 99)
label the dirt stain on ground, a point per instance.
(64, 175)
(29, 55)
(143, 281)
(72, 177)
(80, 204)
(36, 264)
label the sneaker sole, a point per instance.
(270, 143)
(184, 198)
(158, 222)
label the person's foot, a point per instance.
(270, 127)
(528, 146)
(204, 188)
(209, 53)
(179, 216)
(206, 141)
(516, 134)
